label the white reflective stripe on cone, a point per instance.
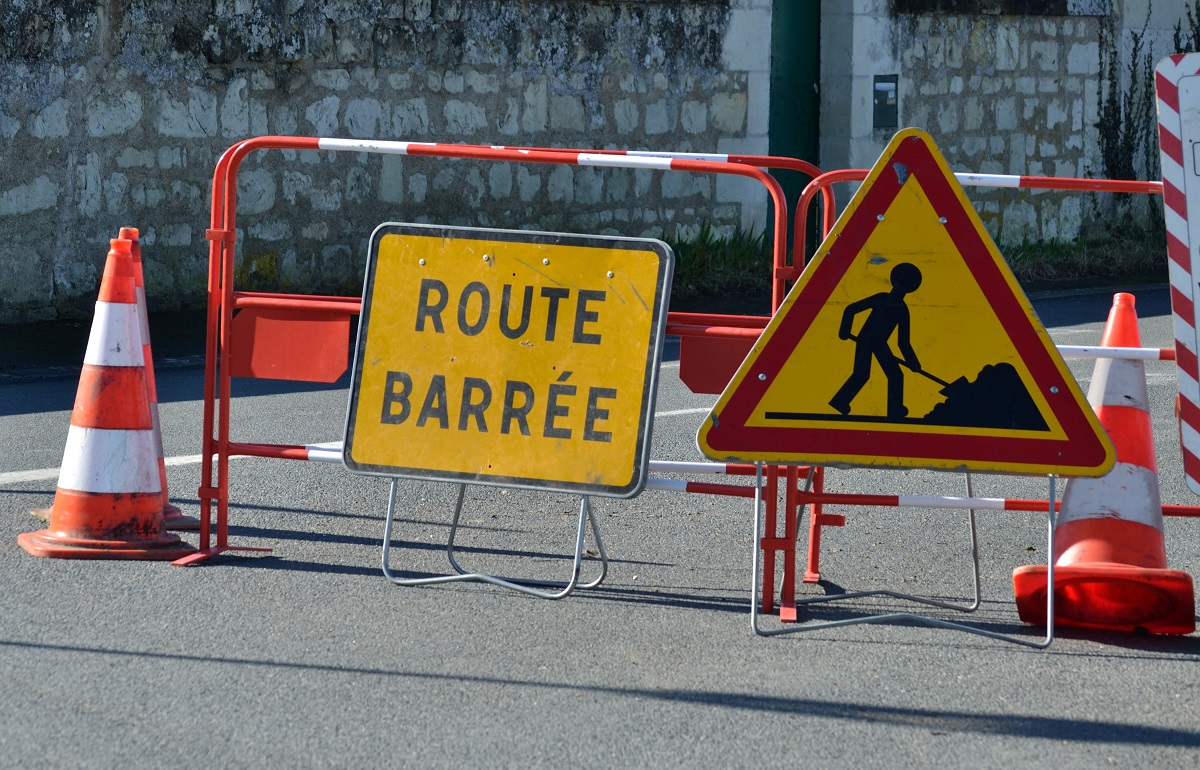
(1128, 492)
(109, 461)
(116, 337)
(1119, 383)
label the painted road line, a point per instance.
(46, 474)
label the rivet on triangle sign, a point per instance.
(908, 343)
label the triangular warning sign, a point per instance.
(908, 343)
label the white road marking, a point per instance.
(46, 474)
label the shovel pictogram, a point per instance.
(948, 388)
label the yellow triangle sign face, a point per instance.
(907, 342)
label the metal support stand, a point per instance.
(974, 605)
(524, 585)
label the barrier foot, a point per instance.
(816, 522)
(524, 585)
(907, 616)
(176, 520)
(208, 553)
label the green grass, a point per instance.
(708, 264)
(1088, 260)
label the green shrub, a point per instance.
(708, 264)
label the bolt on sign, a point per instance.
(510, 358)
(907, 342)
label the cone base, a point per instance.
(175, 519)
(46, 544)
(1114, 597)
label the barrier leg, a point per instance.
(770, 543)
(517, 584)
(787, 590)
(907, 616)
(817, 519)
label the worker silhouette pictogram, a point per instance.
(888, 314)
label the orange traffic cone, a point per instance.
(1110, 556)
(108, 504)
(173, 518)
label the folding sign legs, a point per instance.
(971, 607)
(524, 585)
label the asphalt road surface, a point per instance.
(308, 657)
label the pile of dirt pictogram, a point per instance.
(997, 398)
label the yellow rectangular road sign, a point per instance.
(508, 357)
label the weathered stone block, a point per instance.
(464, 117)
(332, 80)
(410, 118)
(948, 117)
(366, 119)
(454, 82)
(1019, 222)
(589, 185)
(418, 187)
(256, 191)
(500, 180)
(132, 157)
(560, 185)
(1083, 58)
(728, 112)
(170, 157)
(566, 113)
(972, 117)
(105, 118)
(51, 122)
(626, 116)
(661, 117)
(1056, 113)
(323, 115)
(537, 107)
(528, 183)
(694, 117)
(1006, 114)
(1008, 48)
(510, 124)
(36, 195)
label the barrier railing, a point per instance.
(228, 356)
(325, 319)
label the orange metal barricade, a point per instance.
(248, 342)
(249, 332)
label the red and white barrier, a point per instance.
(1177, 209)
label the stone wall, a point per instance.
(113, 114)
(1010, 95)
(1015, 89)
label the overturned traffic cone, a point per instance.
(1109, 552)
(173, 518)
(108, 504)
